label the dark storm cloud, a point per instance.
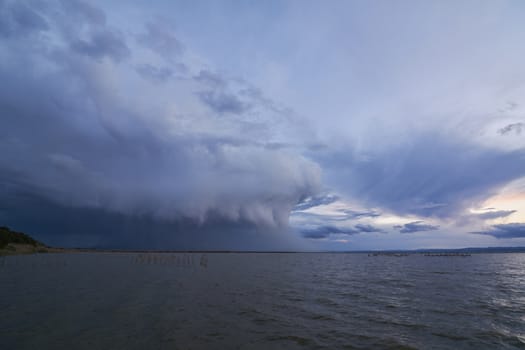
(416, 226)
(513, 230)
(66, 226)
(325, 231)
(426, 175)
(516, 128)
(85, 147)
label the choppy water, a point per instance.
(261, 301)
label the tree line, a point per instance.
(8, 236)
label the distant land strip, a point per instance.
(15, 243)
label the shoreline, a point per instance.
(25, 249)
(28, 249)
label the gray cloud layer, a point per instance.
(74, 137)
(425, 175)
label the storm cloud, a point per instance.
(200, 122)
(77, 136)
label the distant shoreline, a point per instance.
(28, 249)
(18, 243)
(409, 251)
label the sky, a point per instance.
(263, 125)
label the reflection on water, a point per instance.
(261, 301)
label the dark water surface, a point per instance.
(261, 301)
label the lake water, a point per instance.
(261, 301)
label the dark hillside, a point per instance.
(8, 236)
